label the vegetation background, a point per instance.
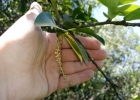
(122, 45)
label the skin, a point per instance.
(28, 67)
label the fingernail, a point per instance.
(36, 6)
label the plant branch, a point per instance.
(122, 23)
(114, 86)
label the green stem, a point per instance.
(54, 4)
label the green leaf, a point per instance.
(133, 15)
(93, 19)
(22, 6)
(70, 24)
(105, 15)
(121, 2)
(74, 46)
(112, 6)
(110, 3)
(83, 51)
(138, 98)
(1, 19)
(54, 4)
(113, 12)
(82, 16)
(77, 10)
(45, 19)
(126, 9)
(68, 3)
(89, 32)
(89, 10)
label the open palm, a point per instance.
(28, 63)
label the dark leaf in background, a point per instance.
(22, 6)
(69, 24)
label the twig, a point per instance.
(114, 86)
(122, 23)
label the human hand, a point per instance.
(28, 67)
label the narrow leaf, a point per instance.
(74, 46)
(93, 19)
(89, 32)
(133, 15)
(45, 19)
(83, 51)
(121, 2)
(126, 9)
(54, 4)
(105, 15)
(89, 10)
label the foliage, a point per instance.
(76, 16)
(121, 65)
(124, 60)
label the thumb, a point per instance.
(24, 25)
(34, 11)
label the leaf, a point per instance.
(54, 4)
(113, 12)
(68, 3)
(133, 15)
(74, 46)
(112, 6)
(121, 2)
(83, 51)
(138, 98)
(22, 6)
(70, 24)
(82, 16)
(67, 18)
(89, 32)
(105, 15)
(93, 19)
(77, 10)
(89, 10)
(126, 9)
(110, 3)
(45, 19)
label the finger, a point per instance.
(34, 11)
(88, 43)
(68, 55)
(74, 67)
(76, 78)
(24, 25)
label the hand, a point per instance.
(28, 67)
